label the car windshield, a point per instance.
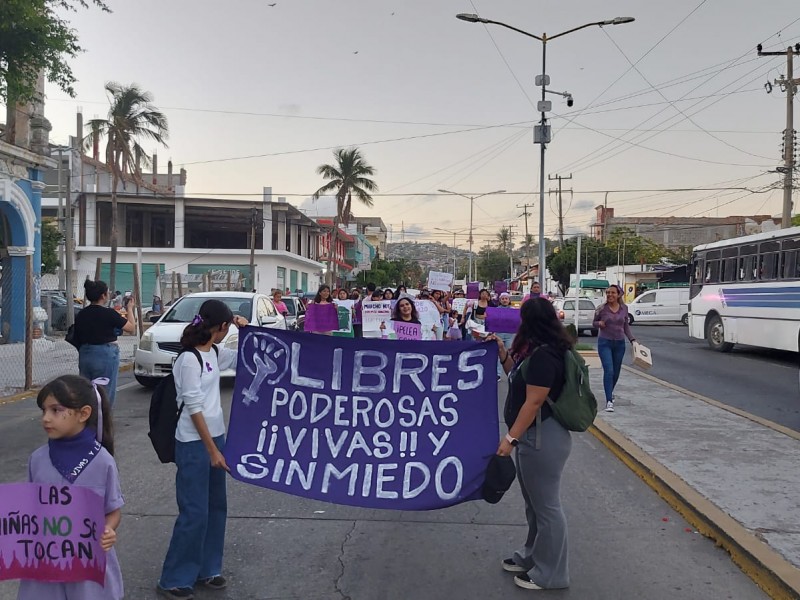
(291, 307)
(188, 306)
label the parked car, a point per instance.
(665, 304)
(297, 313)
(58, 308)
(565, 309)
(160, 344)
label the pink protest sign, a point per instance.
(51, 533)
(321, 317)
(502, 320)
(407, 331)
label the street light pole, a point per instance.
(471, 199)
(542, 136)
(454, 245)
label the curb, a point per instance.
(33, 391)
(768, 569)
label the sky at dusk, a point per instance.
(259, 95)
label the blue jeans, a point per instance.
(611, 354)
(198, 539)
(100, 360)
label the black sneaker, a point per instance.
(184, 593)
(512, 567)
(218, 582)
(526, 582)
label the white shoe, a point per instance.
(609, 406)
(525, 582)
(512, 567)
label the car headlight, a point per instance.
(146, 343)
(232, 342)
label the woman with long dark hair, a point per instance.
(194, 557)
(323, 296)
(611, 319)
(96, 329)
(543, 445)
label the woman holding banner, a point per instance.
(543, 446)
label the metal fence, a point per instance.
(35, 319)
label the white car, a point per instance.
(663, 304)
(160, 344)
(565, 309)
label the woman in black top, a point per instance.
(542, 562)
(96, 331)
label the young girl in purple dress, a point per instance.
(79, 451)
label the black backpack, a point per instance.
(165, 413)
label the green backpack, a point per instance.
(576, 407)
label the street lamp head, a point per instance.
(470, 18)
(619, 21)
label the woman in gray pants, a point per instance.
(543, 446)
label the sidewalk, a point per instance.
(734, 476)
(52, 357)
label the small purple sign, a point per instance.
(502, 320)
(473, 288)
(321, 317)
(362, 422)
(500, 286)
(51, 533)
(407, 331)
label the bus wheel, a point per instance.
(715, 335)
(685, 319)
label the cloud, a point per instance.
(324, 207)
(584, 205)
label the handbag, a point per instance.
(641, 356)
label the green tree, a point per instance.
(503, 238)
(349, 175)
(51, 238)
(33, 38)
(492, 264)
(131, 117)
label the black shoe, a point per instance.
(512, 567)
(522, 580)
(218, 582)
(184, 593)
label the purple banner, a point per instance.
(502, 320)
(500, 286)
(362, 422)
(51, 533)
(321, 317)
(472, 290)
(407, 331)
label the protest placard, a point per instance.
(473, 289)
(429, 316)
(321, 317)
(51, 533)
(373, 314)
(438, 280)
(459, 304)
(407, 331)
(363, 422)
(502, 320)
(500, 286)
(344, 312)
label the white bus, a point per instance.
(746, 290)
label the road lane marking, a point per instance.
(716, 403)
(127, 385)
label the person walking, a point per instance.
(77, 419)
(543, 561)
(355, 296)
(96, 330)
(194, 557)
(611, 319)
(508, 338)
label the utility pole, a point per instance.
(560, 207)
(787, 84)
(525, 214)
(255, 222)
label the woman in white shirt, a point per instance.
(195, 551)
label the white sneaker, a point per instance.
(522, 580)
(512, 567)
(609, 406)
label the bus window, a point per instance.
(712, 272)
(789, 267)
(747, 268)
(768, 266)
(729, 270)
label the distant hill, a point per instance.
(431, 255)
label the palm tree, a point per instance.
(503, 238)
(349, 175)
(131, 117)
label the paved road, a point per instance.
(625, 542)
(761, 382)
